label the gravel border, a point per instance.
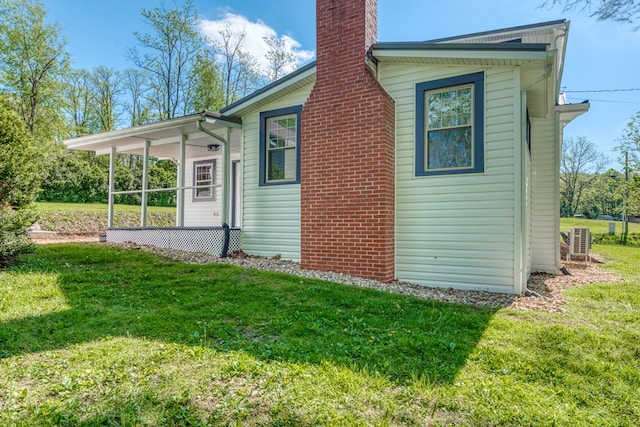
(544, 291)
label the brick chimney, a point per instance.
(347, 150)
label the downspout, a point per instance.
(226, 161)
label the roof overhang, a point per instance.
(287, 84)
(460, 53)
(568, 112)
(132, 140)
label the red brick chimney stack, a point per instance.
(347, 150)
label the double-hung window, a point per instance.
(450, 126)
(204, 173)
(280, 146)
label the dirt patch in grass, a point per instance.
(550, 287)
(49, 238)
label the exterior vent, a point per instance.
(580, 242)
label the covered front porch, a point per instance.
(206, 151)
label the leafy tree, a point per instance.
(135, 85)
(77, 106)
(604, 196)
(579, 165)
(278, 58)
(626, 11)
(240, 71)
(629, 149)
(106, 88)
(207, 84)
(32, 62)
(20, 166)
(167, 55)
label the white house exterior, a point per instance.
(480, 216)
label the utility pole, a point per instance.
(625, 195)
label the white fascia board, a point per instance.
(132, 132)
(84, 142)
(272, 91)
(461, 54)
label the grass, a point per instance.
(93, 335)
(596, 226)
(95, 207)
(92, 217)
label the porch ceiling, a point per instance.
(164, 137)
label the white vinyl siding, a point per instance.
(545, 252)
(271, 214)
(456, 230)
(204, 213)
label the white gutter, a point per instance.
(460, 54)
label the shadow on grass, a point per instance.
(112, 292)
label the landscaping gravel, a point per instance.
(544, 291)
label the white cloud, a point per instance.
(254, 43)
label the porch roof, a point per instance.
(162, 136)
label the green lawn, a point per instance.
(596, 226)
(93, 335)
(95, 207)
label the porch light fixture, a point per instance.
(213, 147)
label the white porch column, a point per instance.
(181, 182)
(145, 184)
(112, 186)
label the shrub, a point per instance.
(13, 231)
(633, 239)
(20, 174)
(72, 178)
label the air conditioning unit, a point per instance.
(580, 242)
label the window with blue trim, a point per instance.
(280, 146)
(450, 126)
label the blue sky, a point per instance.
(602, 56)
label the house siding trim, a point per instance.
(477, 80)
(264, 116)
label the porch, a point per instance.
(205, 149)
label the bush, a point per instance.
(20, 161)
(13, 231)
(633, 239)
(73, 178)
(20, 174)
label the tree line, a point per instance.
(588, 188)
(175, 71)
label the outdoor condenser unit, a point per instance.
(580, 241)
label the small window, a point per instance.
(279, 146)
(204, 176)
(450, 125)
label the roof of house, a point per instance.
(509, 32)
(496, 47)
